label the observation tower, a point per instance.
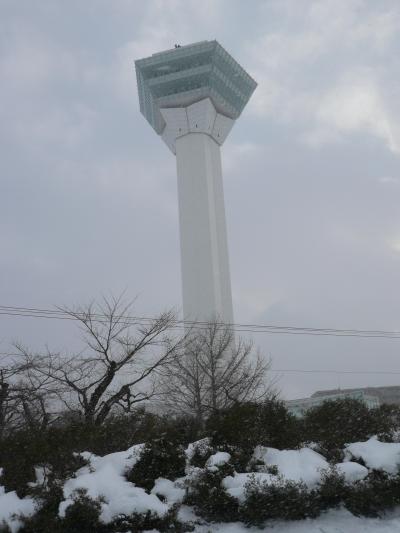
(191, 96)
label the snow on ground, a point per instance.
(11, 504)
(332, 522)
(103, 477)
(376, 454)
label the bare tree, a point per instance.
(24, 397)
(8, 400)
(215, 372)
(121, 356)
(38, 396)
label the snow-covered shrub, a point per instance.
(136, 523)
(243, 427)
(297, 465)
(46, 516)
(372, 496)
(336, 422)
(159, 458)
(332, 489)
(375, 454)
(119, 432)
(283, 499)
(387, 419)
(12, 509)
(23, 451)
(199, 452)
(209, 498)
(180, 429)
(83, 515)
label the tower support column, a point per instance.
(206, 284)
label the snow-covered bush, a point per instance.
(208, 496)
(22, 451)
(243, 427)
(83, 515)
(46, 516)
(336, 422)
(332, 489)
(282, 485)
(282, 499)
(387, 422)
(373, 495)
(296, 465)
(137, 523)
(159, 458)
(375, 454)
(199, 452)
(245, 469)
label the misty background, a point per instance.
(88, 195)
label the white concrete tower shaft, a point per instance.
(206, 283)
(194, 133)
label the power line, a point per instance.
(32, 312)
(284, 370)
(188, 322)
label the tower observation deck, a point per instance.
(191, 96)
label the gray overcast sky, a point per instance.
(88, 200)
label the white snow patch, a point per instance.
(187, 514)
(10, 505)
(41, 474)
(295, 465)
(170, 490)
(376, 454)
(352, 471)
(218, 459)
(104, 478)
(340, 521)
(120, 461)
(235, 484)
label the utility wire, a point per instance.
(188, 322)
(32, 312)
(283, 370)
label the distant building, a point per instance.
(301, 406)
(386, 395)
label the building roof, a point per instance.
(187, 74)
(388, 395)
(300, 406)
